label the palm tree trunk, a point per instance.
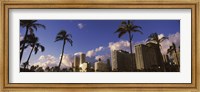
(25, 37)
(61, 55)
(29, 56)
(131, 57)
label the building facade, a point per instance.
(100, 66)
(76, 63)
(121, 61)
(82, 58)
(109, 65)
(146, 56)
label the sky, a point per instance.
(95, 38)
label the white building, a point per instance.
(84, 67)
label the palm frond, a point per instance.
(137, 31)
(136, 27)
(40, 25)
(62, 32)
(153, 37)
(30, 29)
(70, 41)
(123, 23)
(174, 46)
(42, 48)
(119, 30)
(58, 38)
(162, 39)
(63, 35)
(121, 34)
(170, 50)
(69, 35)
(36, 50)
(34, 26)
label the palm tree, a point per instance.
(128, 27)
(35, 45)
(172, 49)
(65, 37)
(153, 38)
(30, 25)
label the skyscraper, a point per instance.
(145, 56)
(82, 58)
(76, 64)
(121, 61)
(100, 66)
(108, 65)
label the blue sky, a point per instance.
(91, 34)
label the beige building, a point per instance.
(100, 66)
(79, 60)
(121, 61)
(76, 63)
(82, 58)
(145, 56)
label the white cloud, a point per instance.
(67, 61)
(78, 53)
(175, 38)
(41, 57)
(91, 53)
(102, 57)
(160, 36)
(120, 45)
(99, 49)
(45, 61)
(52, 61)
(80, 25)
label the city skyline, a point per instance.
(95, 38)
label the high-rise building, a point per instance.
(100, 66)
(121, 61)
(109, 65)
(82, 58)
(76, 64)
(146, 56)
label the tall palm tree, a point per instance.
(65, 37)
(35, 45)
(153, 38)
(128, 27)
(172, 49)
(30, 25)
